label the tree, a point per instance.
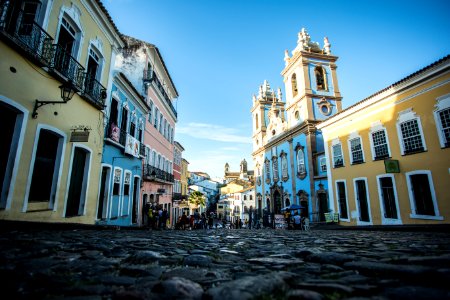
(197, 198)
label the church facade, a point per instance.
(288, 150)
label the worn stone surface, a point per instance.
(84, 263)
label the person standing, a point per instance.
(250, 217)
(297, 221)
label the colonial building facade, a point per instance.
(388, 156)
(288, 150)
(143, 64)
(56, 66)
(121, 176)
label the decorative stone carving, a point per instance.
(326, 46)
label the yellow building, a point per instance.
(184, 178)
(388, 155)
(51, 154)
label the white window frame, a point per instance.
(323, 164)
(337, 142)
(16, 148)
(404, 116)
(384, 220)
(355, 136)
(346, 199)
(73, 17)
(358, 221)
(59, 163)
(119, 195)
(443, 102)
(97, 47)
(413, 214)
(108, 190)
(124, 213)
(376, 127)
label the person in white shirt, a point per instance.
(297, 221)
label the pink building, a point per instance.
(143, 63)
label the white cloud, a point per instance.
(213, 132)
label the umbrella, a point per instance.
(292, 207)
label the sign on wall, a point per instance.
(132, 146)
(391, 166)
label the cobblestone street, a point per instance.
(224, 264)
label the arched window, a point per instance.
(301, 168)
(320, 78)
(294, 85)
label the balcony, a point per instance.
(66, 67)
(94, 92)
(152, 173)
(115, 134)
(163, 92)
(25, 36)
(142, 150)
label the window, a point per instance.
(126, 184)
(442, 118)
(319, 72)
(150, 104)
(356, 153)
(422, 196)
(341, 195)
(275, 168)
(267, 169)
(256, 121)
(132, 129)
(323, 164)
(301, 166)
(412, 140)
(379, 142)
(410, 133)
(117, 180)
(294, 85)
(161, 124)
(284, 166)
(444, 122)
(156, 118)
(94, 70)
(338, 160)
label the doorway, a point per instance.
(103, 195)
(323, 205)
(276, 202)
(46, 167)
(78, 183)
(361, 198)
(12, 120)
(135, 210)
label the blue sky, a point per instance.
(219, 52)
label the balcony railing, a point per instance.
(94, 91)
(113, 132)
(152, 173)
(28, 36)
(163, 92)
(67, 66)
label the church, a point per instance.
(243, 174)
(288, 151)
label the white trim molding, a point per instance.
(358, 221)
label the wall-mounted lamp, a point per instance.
(67, 92)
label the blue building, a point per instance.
(288, 150)
(123, 152)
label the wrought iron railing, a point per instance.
(153, 173)
(95, 91)
(163, 93)
(26, 34)
(113, 132)
(66, 65)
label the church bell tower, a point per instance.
(311, 86)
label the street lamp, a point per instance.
(67, 92)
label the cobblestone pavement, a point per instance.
(224, 264)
